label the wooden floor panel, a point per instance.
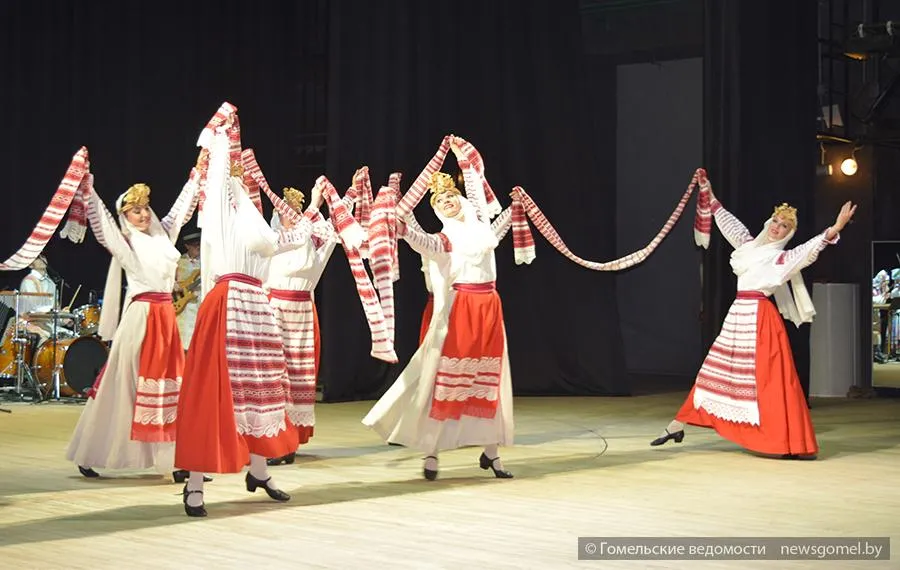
(583, 468)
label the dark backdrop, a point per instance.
(508, 76)
(136, 82)
(380, 84)
(759, 133)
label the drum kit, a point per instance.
(51, 354)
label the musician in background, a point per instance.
(37, 281)
(187, 288)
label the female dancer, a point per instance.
(235, 399)
(748, 389)
(293, 276)
(129, 420)
(456, 390)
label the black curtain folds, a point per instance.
(135, 83)
(507, 76)
(759, 133)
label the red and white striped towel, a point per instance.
(53, 215)
(523, 243)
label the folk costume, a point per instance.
(748, 388)
(235, 402)
(293, 276)
(500, 226)
(130, 417)
(456, 390)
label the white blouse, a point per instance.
(149, 260)
(767, 277)
(472, 268)
(300, 269)
(235, 237)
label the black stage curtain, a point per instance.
(759, 133)
(509, 77)
(135, 83)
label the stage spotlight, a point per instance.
(849, 166)
(824, 170)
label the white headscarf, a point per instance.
(791, 296)
(151, 248)
(469, 235)
(470, 238)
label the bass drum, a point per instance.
(80, 360)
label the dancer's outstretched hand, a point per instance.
(457, 148)
(844, 216)
(316, 197)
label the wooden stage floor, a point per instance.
(583, 467)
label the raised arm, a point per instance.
(411, 221)
(420, 185)
(731, 228)
(424, 243)
(108, 233)
(474, 188)
(502, 223)
(184, 206)
(326, 248)
(795, 259)
(322, 228)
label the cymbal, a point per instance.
(8, 293)
(48, 315)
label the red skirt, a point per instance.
(426, 318)
(785, 426)
(159, 372)
(208, 440)
(468, 377)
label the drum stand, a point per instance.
(54, 338)
(23, 369)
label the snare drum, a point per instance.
(80, 360)
(87, 319)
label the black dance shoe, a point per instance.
(182, 475)
(286, 459)
(678, 436)
(798, 457)
(189, 510)
(430, 474)
(88, 472)
(486, 462)
(253, 483)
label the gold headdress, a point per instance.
(137, 195)
(442, 183)
(787, 213)
(294, 198)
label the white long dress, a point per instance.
(403, 414)
(102, 437)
